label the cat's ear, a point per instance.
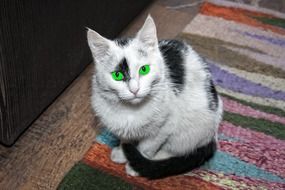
(147, 34)
(99, 45)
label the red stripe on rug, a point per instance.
(236, 107)
(239, 15)
(231, 181)
(98, 157)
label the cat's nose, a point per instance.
(134, 86)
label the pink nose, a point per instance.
(134, 91)
(134, 86)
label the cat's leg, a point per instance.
(162, 154)
(149, 146)
(118, 156)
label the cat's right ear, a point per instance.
(99, 45)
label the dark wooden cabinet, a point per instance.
(43, 47)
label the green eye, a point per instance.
(144, 70)
(117, 75)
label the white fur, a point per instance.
(130, 171)
(156, 116)
(118, 156)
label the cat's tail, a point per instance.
(155, 169)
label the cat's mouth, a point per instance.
(136, 100)
(133, 99)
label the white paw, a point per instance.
(118, 156)
(130, 171)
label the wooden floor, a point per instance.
(65, 131)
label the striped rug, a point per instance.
(244, 47)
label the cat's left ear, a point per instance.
(147, 34)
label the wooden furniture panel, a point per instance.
(43, 49)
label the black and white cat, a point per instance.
(158, 98)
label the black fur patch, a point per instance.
(124, 68)
(155, 169)
(172, 53)
(122, 41)
(213, 96)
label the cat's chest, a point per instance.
(135, 117)
(131, 123)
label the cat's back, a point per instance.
(184, 66)
(188, 75)
(173, 52)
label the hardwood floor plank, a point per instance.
(169, 22)
(52, 145)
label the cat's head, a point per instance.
(128, 70)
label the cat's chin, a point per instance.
(136, 100)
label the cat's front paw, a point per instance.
(118, 156)
(148, 154)
(130, 171)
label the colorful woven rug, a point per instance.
(245, 50)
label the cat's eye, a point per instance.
(144, 70)
(117, 75)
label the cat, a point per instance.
(158, 98)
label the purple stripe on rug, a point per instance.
(274, 41)
(235, 83)
(254, 147)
